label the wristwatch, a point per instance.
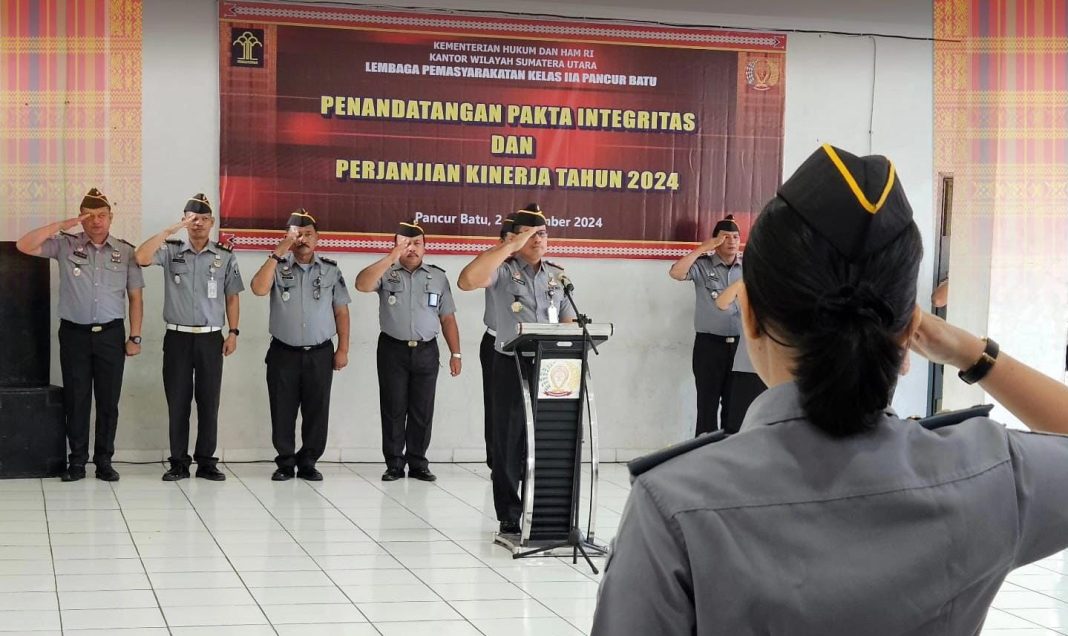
(280, 259)
(457, 355)
(135, 339)
(983, 365)
(235, 332)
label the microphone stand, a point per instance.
(582, 319)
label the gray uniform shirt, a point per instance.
(93, 281)
(303, 301)
(410, 304)
(782, 529)
(710, 276)
(187, 282)
(522, 294)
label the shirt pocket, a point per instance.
(115, 275)
(78, 263)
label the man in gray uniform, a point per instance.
(826, 517)
(525, 288)
(415, 303)
(309, 306)
(201, 282)
(712, 266)
(486, 355)
(97, 272)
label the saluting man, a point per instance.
(525, 287)
(201, 282)
(486, 355)
(713, 266)
(97, 272)
(309, 306)
(415, 303)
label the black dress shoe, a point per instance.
(105, 472)
(210, 472)
(74, 472)
(509, 527)
(422, 474)
(393, 474)
(177, 471)
(282, 474)
(309, 474)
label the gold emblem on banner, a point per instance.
(248, 41)
(762, 74)
(559, 379)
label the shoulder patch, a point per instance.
(435, 267)
(223, 247)
(952, 418)
(652, 460)
(329, 261)
(552, 264)
(174, 241)
(67, 234)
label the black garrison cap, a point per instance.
(198, 204)
(726, 224)
(94, 200)
(301, 218)
(411, 230)
(530, 216)
(856, 203)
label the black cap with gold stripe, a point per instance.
(94, 200)
(198, 204)
(856, 203)
(301, 218)
(411, 230)
(530, 216)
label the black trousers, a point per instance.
(407, 381)
(192, 366)
(509, 435)
(92, 365)
(486, 355)
(299, 379)
(745, 387)
(713, 358)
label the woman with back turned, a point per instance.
(827, 513)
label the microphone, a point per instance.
(566, 282)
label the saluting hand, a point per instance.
(186, 221)
(341, 360)
(287, 242)
(69, 223)
(516, 241)
(713, 243)
(398, 250)
(942, 343)
(229, 345)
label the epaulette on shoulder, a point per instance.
(952, 418)
(652, 460)
(223, 247)
(552, 264)
(67, 234)
(436, 267)
(124, 241)
(174, 241)
(328, 261)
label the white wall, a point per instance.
(643, 379)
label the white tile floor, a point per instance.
(347, 556)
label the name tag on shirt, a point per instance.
(433, 299)
(213, 288)
(554, 314)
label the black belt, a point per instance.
(95, 328)
(717, 337)
(410, 343)
(288, 347)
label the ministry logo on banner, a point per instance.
(246, 47)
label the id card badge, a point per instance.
(213, 288)
(433, 299)
(554, 314)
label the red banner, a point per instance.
(634, 140)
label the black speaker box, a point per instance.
(26, 317)
(32, 438)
